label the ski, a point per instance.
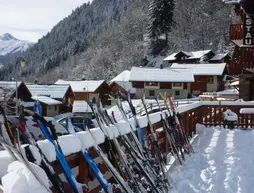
(178, 119)
(104, 183)
(14, 151)
(171, 141)
(45, 164)
(44, 125)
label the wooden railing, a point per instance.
(208, 113)
(236, 32)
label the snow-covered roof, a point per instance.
(82, 86)
(218, 57)
(123, 80)
(10, 85)
(53, 91)
(161, 75)
(192, 55)
(231, 1)
(199, 54)
(81, 107)
(228, 92)
(123, 76)
(215, 69)
(46, 100)
(170, 57)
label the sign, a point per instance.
(248, 31)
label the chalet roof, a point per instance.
(123, 76)
(123, 80)
(161, 75)
(191, 55)
(82, 86)
(8, 88)
(52, 91)
(10, 85)
(46, 100)
(170, 57)
(81, 107)
(218, 57)
(231, 1)
(215, 69)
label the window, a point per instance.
(55, 107)
(210, 80)
(177, 92)
(198, 79)
(177, 84)
(152, 84)
(151, 93)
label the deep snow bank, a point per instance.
(222, 162)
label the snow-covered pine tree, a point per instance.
(161, 19)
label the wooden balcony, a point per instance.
(245, 60)
(236, 32)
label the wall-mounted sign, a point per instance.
(248, 31)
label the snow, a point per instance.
(20, 180)
(235, 83)
(222, 162)
(122, 77)
(218, 57)
(247, 111)
(81, 107)
(48, 149)
(70, 144)
(10, 45)
(86, 139)
(228, 92)
(46, 100)
(215, 69)
(123, 127)
(82, 86)
(6, 159)
(112, 131)
(52, 91)
(161, 75)
(230, 115)
(170, 57)
(34, 150)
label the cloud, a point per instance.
(30, 19)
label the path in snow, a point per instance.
(223, 162)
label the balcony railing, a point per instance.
(236, 32)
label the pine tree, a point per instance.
(161, 18)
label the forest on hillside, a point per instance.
(99, 40)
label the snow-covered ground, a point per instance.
(222, 163)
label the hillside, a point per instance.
(100, 39)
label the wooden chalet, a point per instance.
(153, 81)
(8, 95)
(208, 77)
(54, 99)
(88, 90)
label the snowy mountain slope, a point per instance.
(11, 45)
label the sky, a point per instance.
(31, 19)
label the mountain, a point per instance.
(10, 47)
(101, 39)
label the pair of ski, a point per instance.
(175, 129)
(11, 143)
(142, 151)
(108, 188)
